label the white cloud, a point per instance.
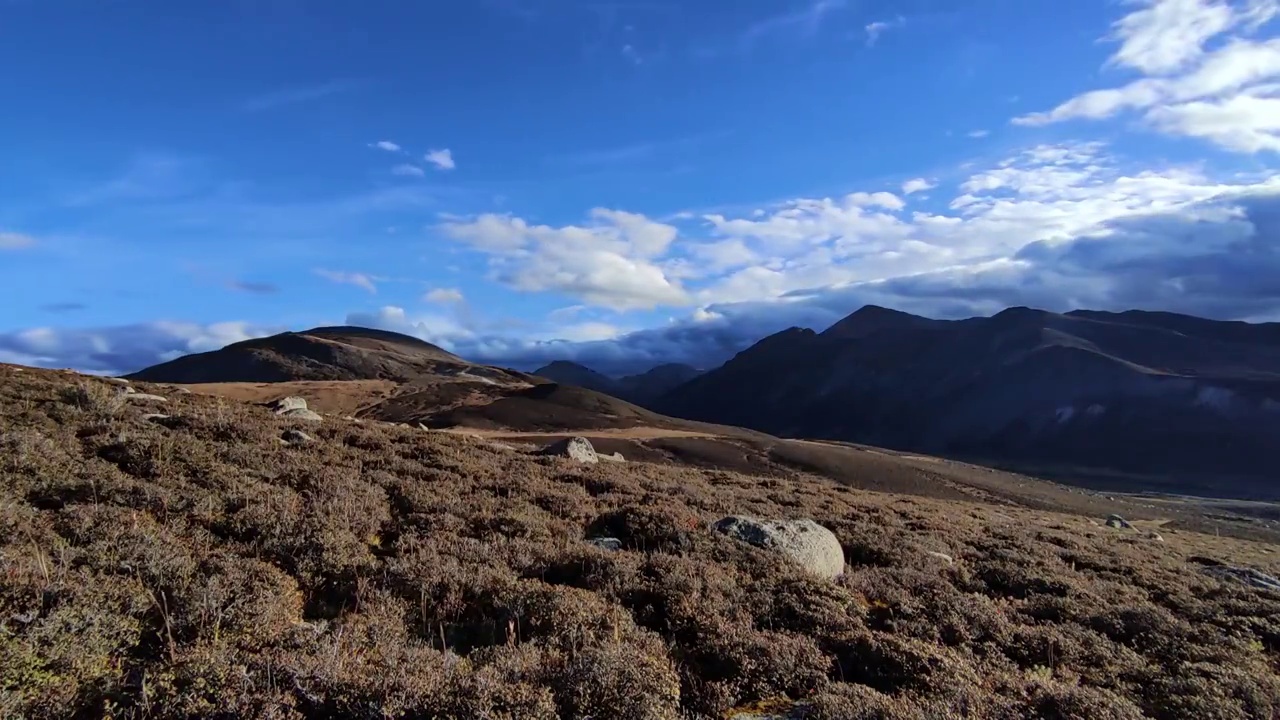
(360, 280)
(587, 332)
(916, 185)
(609, 261)
(978, 133)
(15, 241)
(442, 159)
(1225, 94)
(407, 170)
(386, 145)
(444, 296)
(875, 29)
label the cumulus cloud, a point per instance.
(444, 296)
(15, 241)
(360, 280)
(441, 159)
(1227, 94)
(121, 349)
(385, 145)
(916, 185)
(610, 261)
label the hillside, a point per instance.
(209, 562)
(1166, 401)
(329, 353)
(382, 375)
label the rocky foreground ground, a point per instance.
(170, 555)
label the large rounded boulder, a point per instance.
(806, 542)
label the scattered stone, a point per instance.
(615, 457)
(301, 414)
(814, 547)
(1115, 521)
(1153, 535)
(155, 417)
(942, 556)
(144, 397)
(130, 390)
(605, 543)
(181, 390)
(285, 404)
(1243, 575)
(296, 437)
(574, 448)
(423, 427)
(117, 380)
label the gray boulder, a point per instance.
(814, 547)
(574, 448)
(285, 404)
(301, 414)
(144, 398)
(296, 437)
(1115, 521)
(1244, 576)
(605, 543)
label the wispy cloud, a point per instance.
(444, 296)
(63, 307)
(385, 145)
(256, 288)
(806, 20)
(300, 94)
(407, 170)
(360, 280)
(15, 241)
(442, 159)
(876, 29)
(978, 133)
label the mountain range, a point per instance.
(642, 388)
(1139, 400)
(1180, 400)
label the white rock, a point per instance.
(117, 380)
(153, 417)
(942, 556)
(301, 414)
(574, 448)
(616, 457)
(144, 397)
(285, 404)
(296, 437)
(812, 546)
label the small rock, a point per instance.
(574, 448)
(296, 437)
(155, 417)
(117, 380)
(942, 556)
(1153, 535)
(301, 414)
(1115, 521)
(814, 547)
(605, 543)
(615, 457)
(144, 397)
(501, 447)
(285, 404)
(423, 427)
(129, 390)
(181, 390)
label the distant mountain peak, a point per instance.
(873, 318)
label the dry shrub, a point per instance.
(199, 568)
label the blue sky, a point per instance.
(621, 182)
